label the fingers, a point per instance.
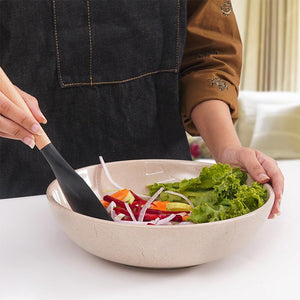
(11, 130)
(277, 180)
(262, 169)
(33, 105)
(247, 157)
(17, 124)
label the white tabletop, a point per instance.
(37, 260)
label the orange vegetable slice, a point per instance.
(160, 205)
(120, 195)
(185, 217)
(104, 203)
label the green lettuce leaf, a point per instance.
(218, 193)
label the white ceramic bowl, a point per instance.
(164, 246)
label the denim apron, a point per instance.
(105, 74)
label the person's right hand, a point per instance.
(16, 124)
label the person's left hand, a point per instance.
(260, 167)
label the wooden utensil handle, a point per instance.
(9, 90)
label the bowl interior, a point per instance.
(137, 174)
(133, 174)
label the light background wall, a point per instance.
(270, 31)
(240, 8)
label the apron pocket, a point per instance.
(115, 41)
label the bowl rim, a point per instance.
(100, 221)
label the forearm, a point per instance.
(213, 121)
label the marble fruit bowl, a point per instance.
(164, 246)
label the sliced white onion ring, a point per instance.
(130, 211)
(134, 222)
(166, 220)
(108, 175)
(111, 207)
(112, 181)
(113, 214)
(118, 217)
(182, 196)
(148, 204)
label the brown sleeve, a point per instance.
(212, 59)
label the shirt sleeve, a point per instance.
(212, 59)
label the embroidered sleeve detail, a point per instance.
(221, 84)
(226, 8)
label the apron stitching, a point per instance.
(57, 44)
(177, 37)
(121, 81)
(90, 40)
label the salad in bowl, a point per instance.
(218, 193)
(166, 213)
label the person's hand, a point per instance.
(213, 122)
(260, 167)
(15, 124)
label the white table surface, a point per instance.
(38, 261)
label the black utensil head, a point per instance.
(78, 194)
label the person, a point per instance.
(121, 79)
